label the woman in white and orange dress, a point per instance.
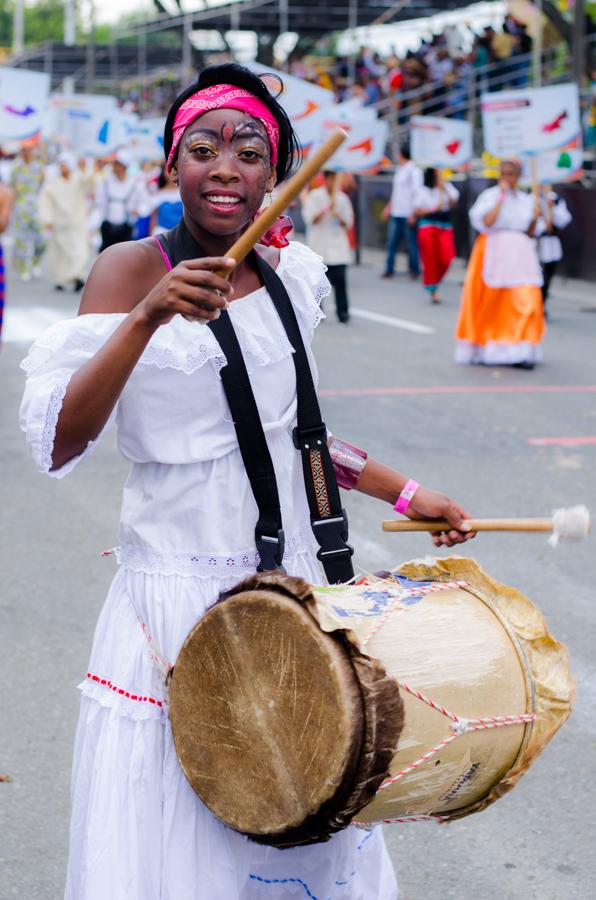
(501, 319)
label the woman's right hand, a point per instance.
(192, 289)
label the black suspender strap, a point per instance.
(328, 519)
(269, 535)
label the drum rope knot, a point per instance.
(459, 726)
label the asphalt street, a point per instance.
(503, 442)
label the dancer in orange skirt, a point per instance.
(432, 204)
(501, 321)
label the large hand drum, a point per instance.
(427, 693)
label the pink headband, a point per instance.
(223, 96)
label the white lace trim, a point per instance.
(48, 435)
(196, 345)
(497, 353)
(156, 354)
(204, 565)
(132, 709)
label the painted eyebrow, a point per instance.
(249, 128)
(240, 131)
(200, 130)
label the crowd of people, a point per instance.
(72, 206)
(437, 72)
(436, 75)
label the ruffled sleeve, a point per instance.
(52, 361)
(483, 204)
(303, 273)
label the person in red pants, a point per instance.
(432, 205)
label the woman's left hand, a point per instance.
(427, 504)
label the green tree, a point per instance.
(44, 21)
(5, 23)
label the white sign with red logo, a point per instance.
(314, 114)
(364, 148)
(440, 143)
(366, 142)
(300, 99)
(530, 121)
(23, 98)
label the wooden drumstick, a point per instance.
(288, 192)
(573, 523)
(473, 525)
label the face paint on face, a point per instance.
(224, 170)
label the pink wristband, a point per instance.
(402, 503)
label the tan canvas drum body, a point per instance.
(424, 693)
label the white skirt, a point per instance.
(138, 830)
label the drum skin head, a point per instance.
(267, 715)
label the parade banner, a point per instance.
(367, 137)
(144, 137)
(90, 124)
(439, 142)
(555, 166)
(23, 99)
(532, 121)
(300, 99)
(342, 115)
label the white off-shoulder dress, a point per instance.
(138, 830)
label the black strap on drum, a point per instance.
(328, 520)
(269, 533)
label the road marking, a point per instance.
(561, 441)
(404, 324)
(460, 389)
(23, 326)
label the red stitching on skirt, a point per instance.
(122, 692)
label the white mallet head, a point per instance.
(570, 524)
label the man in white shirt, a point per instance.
(400, 213)
(555, 217)
(328, 214)
(118, 198)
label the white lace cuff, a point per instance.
(40, 410)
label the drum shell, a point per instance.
(460, 646)
(477, 649)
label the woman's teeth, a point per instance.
(225, 201)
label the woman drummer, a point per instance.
(137, 353)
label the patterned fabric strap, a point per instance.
(348, 463)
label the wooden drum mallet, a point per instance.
(565, 524)
(287, 194)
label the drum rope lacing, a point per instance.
(459, 724)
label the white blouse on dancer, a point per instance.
(511, 259)
(436, 199)
(138, 830)
(516, 213)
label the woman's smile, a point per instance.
(223, 202)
